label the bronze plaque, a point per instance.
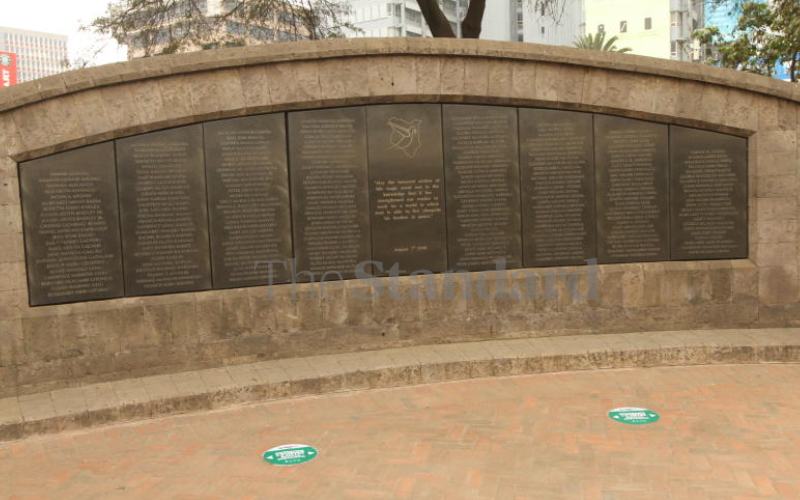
(330, 207)
(406, 176)
(72, 242)
(162, 194)
(632, 169)
(708, 195)
(558, 201)
(248, 200)
(481, 161)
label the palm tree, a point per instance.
(599, 42)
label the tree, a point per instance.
(151, 27)
(471, 25)
(765, 36)
(599, 42)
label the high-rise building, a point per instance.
(561, 24)
(381, 18)
(502, 20)
(38, 54)
(505, 20)
(657, 28)
(522, 21)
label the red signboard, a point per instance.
(8, 69)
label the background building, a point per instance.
(8, 69)
(657, 28)
(379, 18)
(38, 54)
(502, 20)
(562, 27)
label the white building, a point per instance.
(38, 54)
(509, 20)
(657, 28)
(379, 18)
(502, 20)
(562, 25)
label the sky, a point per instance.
(65, 17)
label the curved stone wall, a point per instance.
(58, 345)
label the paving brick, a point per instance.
(725, 432)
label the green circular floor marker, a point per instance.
(290, 454)
(633, 416)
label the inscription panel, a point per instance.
(71, 222)
(164, 216)
(523, 187)
(558, 201)
(482, 187)
(708, 195)
(248, 200)
(328, 157)
(632, 190)
(407, 187)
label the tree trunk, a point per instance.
(471, 27)
(793, 68)
(437, 22)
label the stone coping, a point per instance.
(161, 66)
(148, 397)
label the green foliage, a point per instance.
(599, 42)
(765, 35)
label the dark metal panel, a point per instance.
(406, 176)
(558, 199)
(708, 195)
(481, 159)
(162, 194)
(330, 207)
(71, 222)
(632, 169)
(248, 200)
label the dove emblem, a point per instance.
(405, 136)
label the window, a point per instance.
(648, 23)
(623, 26)
(542, 29)
(601, 28)
(676, 19)
(541, 11)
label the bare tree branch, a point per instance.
(437, 22)
(471, 26)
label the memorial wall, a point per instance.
(377, 190)
(146, 206)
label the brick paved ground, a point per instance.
(725, 432)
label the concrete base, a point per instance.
(148, 397)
